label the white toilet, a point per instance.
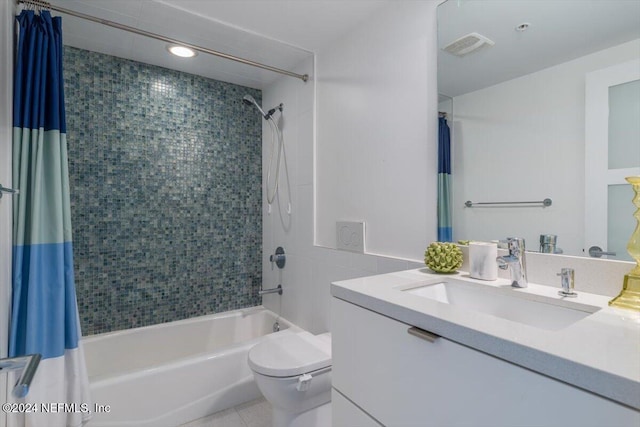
(293, 372)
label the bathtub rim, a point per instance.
(241, 312)
(104, 378)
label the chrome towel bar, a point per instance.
(543, 203)
(29, 365)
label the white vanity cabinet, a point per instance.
(382, 375)
(349, 414)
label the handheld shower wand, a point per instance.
(276, 151)
(248, 100)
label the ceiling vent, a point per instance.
(467, 44)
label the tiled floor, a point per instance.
(256, 413)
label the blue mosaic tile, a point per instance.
(165, 174)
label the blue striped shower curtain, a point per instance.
(44, 316)
(445, 231)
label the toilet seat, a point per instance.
(288, 355)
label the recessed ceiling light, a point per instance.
(181, 51)
(523, 27)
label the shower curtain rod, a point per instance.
(46, 5)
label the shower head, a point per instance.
(248, 100)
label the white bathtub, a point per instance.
(169, 374)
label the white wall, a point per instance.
(376, 151)
(6, 83)
(524, 140)
(383, 67)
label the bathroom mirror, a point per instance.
(515, 98)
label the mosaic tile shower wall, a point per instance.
(165, 171)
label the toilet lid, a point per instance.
(287, 355)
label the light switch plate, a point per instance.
(350, 236)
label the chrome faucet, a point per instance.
(567, 280)
(277, 290)
(515, 262)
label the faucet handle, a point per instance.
(279, 258)
(568, 281)
(515, 245)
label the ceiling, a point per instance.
(283, 33)
(308, 24)
(560, 30)
(280, 33)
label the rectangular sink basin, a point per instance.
(533, 310)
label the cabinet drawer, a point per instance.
(346, 414)
(406, 380)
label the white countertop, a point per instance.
(600, 353)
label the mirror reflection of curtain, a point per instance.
(445, 230)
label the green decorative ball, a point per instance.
(443, 257)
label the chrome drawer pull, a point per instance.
(422, 334)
